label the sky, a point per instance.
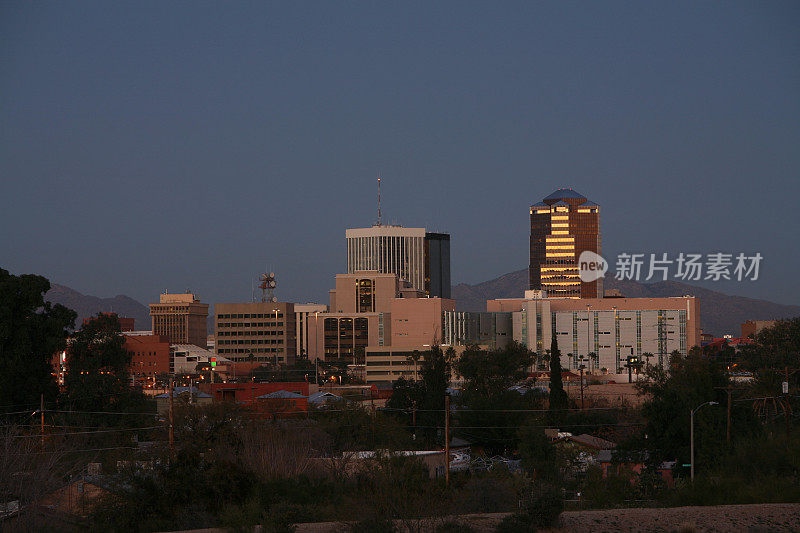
(151, 146)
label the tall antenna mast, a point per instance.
(267, 287)
(379, 199)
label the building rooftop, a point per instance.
(177, 391)
(568, 196)
(281, 395)
(563, 194)
(322, 397)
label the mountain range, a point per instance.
(719, 313)
(87, 306)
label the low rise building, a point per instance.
(255, 333)
(150, 356)
(753, 327)
(186, 358)
(603, 333)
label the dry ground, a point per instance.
(735, 518)
(745, 518)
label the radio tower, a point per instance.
(267, 286)
(379, 200)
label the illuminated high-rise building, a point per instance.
(417, 256)
(563, 225)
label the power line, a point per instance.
(86, 432)
(83, 450)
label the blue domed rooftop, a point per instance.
(565, 195)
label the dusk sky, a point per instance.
(147, 146)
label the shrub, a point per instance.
(540, 508)
(373, 525)
(451, 526)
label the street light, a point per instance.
(691, 433)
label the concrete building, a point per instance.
(415, 255)
(612, 329)
(263, 330)
(388, 363)
(345, 336)
(563, 225)
(492, 330)
(125, 323)
(185, 358)
(364, 291)
(370, 308)
(417, 322)
(181, 318)
(752, 327)
(150, 356)
(191, 395)
(301, 314)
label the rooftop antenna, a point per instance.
(267, 287)
(379, 199)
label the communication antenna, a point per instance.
(267, 287)
(379, 199)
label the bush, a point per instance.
(452, 526)
(490, 493)
(540, 508)
(373, 525)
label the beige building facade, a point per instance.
(602, 333)
(181, 318)
(301, 315)
(263, 330)
(364, 291)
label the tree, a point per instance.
(690, 381)
(490, 410)
(558, 396)
(492, 373)
(428, 393)
(775, 348)
(98, 370)
(537, 453)
(32, 331)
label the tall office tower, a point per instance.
(564, 225)
(416, 256)
(181, 318)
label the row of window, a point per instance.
(249, 333)
(249, 324)
(248, 350)
(249, 341)
(249, 315)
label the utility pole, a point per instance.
(786, 400)
(414, 417)
(729, 390)
(41, 413)
(171, 423)
(582, 386)
(447, 440)
(785, 386)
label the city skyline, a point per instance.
(151, 149)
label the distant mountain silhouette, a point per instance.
(87, 306)
(719, 313)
